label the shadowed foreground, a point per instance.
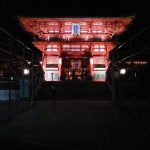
(79, 125)
(74, 90)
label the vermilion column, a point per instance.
(60, 66)
(91, 66)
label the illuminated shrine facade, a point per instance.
(75, 48)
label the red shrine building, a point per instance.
(75, 48)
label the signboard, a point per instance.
(75, 64)
(75, 29)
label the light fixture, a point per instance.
(26, 71)
(60, 61)
(122, 71)
(102, 49)
(41, 62)
(91, 61)
(29, 62)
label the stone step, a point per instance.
(75, 90)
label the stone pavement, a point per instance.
(79, 125)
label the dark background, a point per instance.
(10, 10)
(75, 7)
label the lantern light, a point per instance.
(26, 71)
(123, 71)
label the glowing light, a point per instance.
(61, 34)
(67, 23)
(91, 61)
(53, 23)
(94, 31)
(29, 62)
(85, 46)
(60, 61)
(51, 31)
(86, 39)
(137, 62)
(52, 50)
(97, 69)
(99, 48)
(97, 23)
(96, 49)
(102, 50)
(96, 46)
(83, 31)
(102, 46)
(67, 31)
(54, 69)
(122, 71)
(26, 71)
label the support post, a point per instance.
(32, 81)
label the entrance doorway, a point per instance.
(75, 69)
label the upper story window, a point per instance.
(99, 48)
(54, 29)
(52, 48)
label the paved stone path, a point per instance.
(79, 125)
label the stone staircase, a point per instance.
(74, 90)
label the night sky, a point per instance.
(75, 8)
(11, 9)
